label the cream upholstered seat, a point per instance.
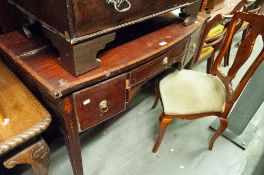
(189, 92)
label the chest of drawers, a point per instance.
(80, 28)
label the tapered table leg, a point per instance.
(69, 129)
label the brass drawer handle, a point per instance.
(118, 3)
(103, 106)
(165, 61)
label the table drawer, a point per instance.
(151, 69)
(100, 102)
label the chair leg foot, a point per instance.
(220, 130)
(164, 122)
(37, 155)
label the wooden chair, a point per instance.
(186, 94)
(211, 40)
(253, 8)
(213, 36)
(22, 119)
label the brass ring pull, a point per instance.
(118, 3)
(165, 61)
(103, 106)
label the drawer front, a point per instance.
(95, 15)
(193, 45)
(84, 17)
(151, 69)
(100, 102)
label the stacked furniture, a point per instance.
(82, 102)
(79, 29)
(77, 80)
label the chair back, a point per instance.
(256, 28)
(213, 22)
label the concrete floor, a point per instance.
(122, 146)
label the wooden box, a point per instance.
(80, 28)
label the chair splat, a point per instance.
(244, 51)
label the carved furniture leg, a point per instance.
(220, 130)
(164, 122)
(190, 12)
(80, 57)
(37, 155)
(70, 132)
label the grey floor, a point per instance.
(122, 146)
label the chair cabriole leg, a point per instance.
(164, 122)
(220, 130)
